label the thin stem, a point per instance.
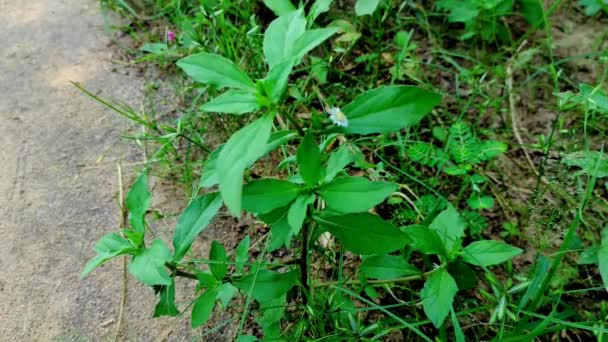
(294, 122)
(304, 261)
(379, 281)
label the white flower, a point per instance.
(337, 117)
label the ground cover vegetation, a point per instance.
(410, 170)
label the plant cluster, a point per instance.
(344, 160)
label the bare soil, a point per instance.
(58, 179)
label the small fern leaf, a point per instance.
(427, 154)
(462, 144)
(490, 149)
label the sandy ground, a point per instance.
(57, 197)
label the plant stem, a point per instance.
(304, 261)
(379, 281)
(294, 122)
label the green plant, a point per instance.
(371, 206)
(294, 207)
(483, 18)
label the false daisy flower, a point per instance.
(337, 117)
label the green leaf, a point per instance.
(363, 233)
(339, 159)
(602, 257)
(594, 163)
(149, 266)
(209, 176)
(591, 6)
(366, 7)
(266, 285)
(309, 160)
(225, 294)
(281, 36)
(242, 149)
(310, 40)
(280, 7)
(265, 195)
(388, 109)
(464, 275)
(589, 255)
(594, 97)
(355, 194)
(209, 172)
(276, 81)
(166, 304)
(425, 240)
(137, 202)
(233, 102)
(280, 230)
(206, 279)
(450, 228)
(387, 267)
(297, 211)
(534, 12)
(489, 252)
(480, 202)
(195, 218)
(270, 320)
(108, 247)
(319, 69)
(203, 307)
(318, 7)
(247, 338)
(242, 253)
(215, 70)
(460, 11)
(219, 260)
(437, 296)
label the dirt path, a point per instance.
(56, 196)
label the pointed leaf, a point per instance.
(225, 293)
(489, 252)
(215, 70)
(450, 228)
(266, 285)
(233, 102)
(280, 7)
(195, 218)
(137, 202)
(297, 211)
(265, 195)
(242, 253)
(355, 194)
(387, 267)
(363, 233)
(203, 308)
(309, 160)
(219, 260)
(388, 109)
(437, 296)
(149, 266)
(242, 149)
(318, 7)
(276, 81)
(366, 7)
(425, 240)
(166, 304)
(534, 12)
(310, 40)
(281, 36)
(108, 247)
(338, 160)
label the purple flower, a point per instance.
(170, 36)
